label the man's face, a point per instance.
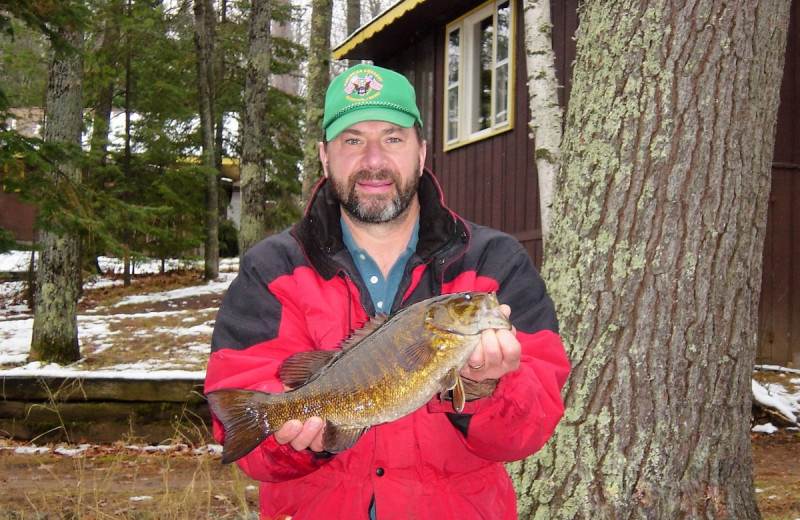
(374, 168)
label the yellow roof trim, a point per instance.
(379, 23)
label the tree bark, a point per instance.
(546, 114)
(204, 43)
(55, 328)
(654, 260)
(319, 62)
(253, 173)
(353, 22)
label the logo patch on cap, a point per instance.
(363, 85)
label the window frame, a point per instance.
(465, 72)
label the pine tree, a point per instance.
(204, 42)
(318, 79)
(55, 331)
(255, 128)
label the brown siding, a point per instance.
(17, 217)
(779, 327)
(779, 312)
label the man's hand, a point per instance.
(497, 354)
(301, 435)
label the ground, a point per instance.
(174, 482)
(776, 458)
(178, 482)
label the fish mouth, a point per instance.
(494, 319)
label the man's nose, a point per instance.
(374, 156)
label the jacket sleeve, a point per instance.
(526, 406)
(254, 333)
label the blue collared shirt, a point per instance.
(381, 290)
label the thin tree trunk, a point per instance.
(55, 328)
(219, 74)
(204, 43)
(546, 114)
(654, 260)
(319, 62)
(255, 132)
(353, 22)
(105, 80)
(126, 163)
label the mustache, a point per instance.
(368, 175)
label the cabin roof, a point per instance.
(395, 27)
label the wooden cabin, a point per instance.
(466, 60)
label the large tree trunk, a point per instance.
(654, 260)
(204, 43)
(253, 173)
(55, 329)
(319, 62)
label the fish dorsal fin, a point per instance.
(368, 328)
(303, 367)
(416, 355)
(336, 439)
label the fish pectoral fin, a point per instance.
(416, 355)
(459, 400)
(303, 367)
(452, 381)
(336, 439)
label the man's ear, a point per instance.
(323, 158)
(423, 153)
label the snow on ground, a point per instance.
(16, 324)
(15, 336)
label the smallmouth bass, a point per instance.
(387, 370)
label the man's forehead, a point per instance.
(382, 127)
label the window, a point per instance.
(479, 55)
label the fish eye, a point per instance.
(467, 296)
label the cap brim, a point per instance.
(360, 115)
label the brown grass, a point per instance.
(174, 482)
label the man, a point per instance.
(376, 236)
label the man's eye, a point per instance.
(351, 140)
(394, 140)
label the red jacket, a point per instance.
(300, 290)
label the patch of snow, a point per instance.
(776, 396)
(764, 428)
(95, 329)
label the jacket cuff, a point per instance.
(438, 405)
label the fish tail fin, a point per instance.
(244, 428)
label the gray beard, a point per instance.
(373, 209)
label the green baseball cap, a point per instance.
(369, 93)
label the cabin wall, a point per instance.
(17, 217)
(779, 312)
(492, 182)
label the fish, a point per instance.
(388, 369)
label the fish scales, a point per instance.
(391, 372)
